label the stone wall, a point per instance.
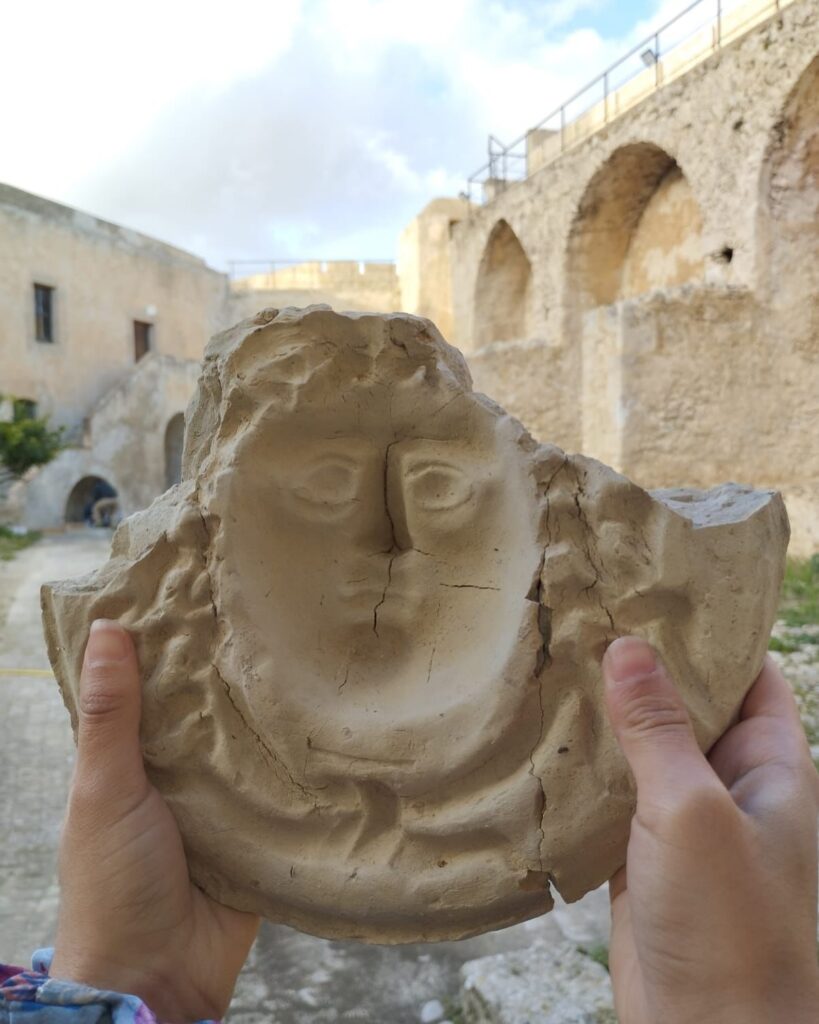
(424, 261)
(130, 441)
(528, 379)
(667, 276)
(342, 284)
(104, 278)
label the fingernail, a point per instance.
(628, 658)
(107, 642)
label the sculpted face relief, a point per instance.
(365, 535)
(370, 621)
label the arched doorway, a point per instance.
(85, 496)
(638, 228)
(503, 289)
(174, 443)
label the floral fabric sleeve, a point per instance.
(31, 997)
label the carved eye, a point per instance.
(438, 487)
(331, 482)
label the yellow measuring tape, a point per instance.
(44, 672)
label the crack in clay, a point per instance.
(544, 624)
(272, 755)
(548, 512)
(467, 586)
(393, 545)
(534, 774)
(431, 659)
(383, 595)
(586, 541)
(257, 738)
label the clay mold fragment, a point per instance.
(370, 622)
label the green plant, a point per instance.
(11, 542)
(27, 440)
(600, 954)
(782, 646)
(453, 1011)
(800, 592)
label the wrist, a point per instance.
(158, 992)
(794, 999)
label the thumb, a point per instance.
(109, 757)
(651, 724)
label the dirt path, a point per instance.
(36, 750)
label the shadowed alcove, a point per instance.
(83, 495)
(638, 228)
(788, 232)
(503, 289)
(174, 441)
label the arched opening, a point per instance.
(174, 443)
(503, 289)
(788, 242)
(637, 231)
(638, 228)
(666, 247)
(92, 500)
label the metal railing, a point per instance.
(248, 268)
(659, 58)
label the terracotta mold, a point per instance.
(370, 623)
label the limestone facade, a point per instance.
(129, 321)
(343, 284)
(102, 280)
(132, 440)
(425, 262)
(665, 277)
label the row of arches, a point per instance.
(639, 227)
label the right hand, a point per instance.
(714, 913)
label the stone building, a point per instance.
(646, 292)
(649, 292)
(84, 300)
(342, 284)
(102, 330)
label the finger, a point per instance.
(652, 724)
(108, 749)
(769, 733)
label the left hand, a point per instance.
(130, 919)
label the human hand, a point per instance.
(714, 914)
(130, 920)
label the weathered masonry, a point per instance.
(102, 330)
(651, 296)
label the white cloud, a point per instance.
(82, 80)
(284, 128)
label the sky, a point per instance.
(285, 129)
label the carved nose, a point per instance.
(390, 532)
(394, 503)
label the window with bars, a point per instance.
(43, 313)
